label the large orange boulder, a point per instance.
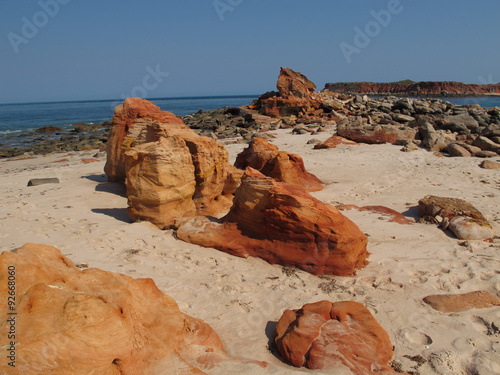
(329, 336)
(169, 170)
(68, 321)
(281, 224)
(280, 165)
(129, 117)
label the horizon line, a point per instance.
(121, 100)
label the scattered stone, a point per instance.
(330, 336)
(458, 215)
(455, 149)
(486, 154)
(42, 181)
(89, 160)
(490, 164)
(462, 302)
(281, 224)
(486, 144)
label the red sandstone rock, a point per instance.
(328, 336)
(296, 96)
(294, 85)
(128, 116)
(96, 322)
(282, 224)
(170, 171)
(89, 160)
(280, 165)
(410, 88)
(333, 142)
(377, 134)
(461, 302)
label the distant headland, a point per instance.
(412, 88)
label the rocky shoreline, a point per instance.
(437, 125)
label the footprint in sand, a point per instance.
(413, 336)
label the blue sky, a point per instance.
(88, 49)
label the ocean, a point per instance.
(22, 118)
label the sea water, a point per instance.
(22, 118)
(16, 119)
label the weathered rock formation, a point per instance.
(169, 170)
(329, 336)
(128, 120)
(96, 322)
(295, 97)
(461, 302)
(459, 216)
(281, 224)
(280, 165)
(410, 88)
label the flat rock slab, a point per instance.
(42, 181)
(461, 302)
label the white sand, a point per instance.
(242, 298)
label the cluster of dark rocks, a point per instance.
(49, 139)
(459, 130)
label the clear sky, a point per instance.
(104, 49)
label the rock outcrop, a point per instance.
(280, 165)
(128, 120)
(281, 224)
(459, 216)
(295, 97)
(328, 336)
(461, 302)
(169, 170)
(410, 88)
(77, 322)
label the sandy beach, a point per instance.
(242, 299)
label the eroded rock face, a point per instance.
(462, 302)
(459, 216)
(169, 170)
(81, 322)
(295, 96)
(282, 224)
(128, 119)
(280, 165)
(326, 335)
